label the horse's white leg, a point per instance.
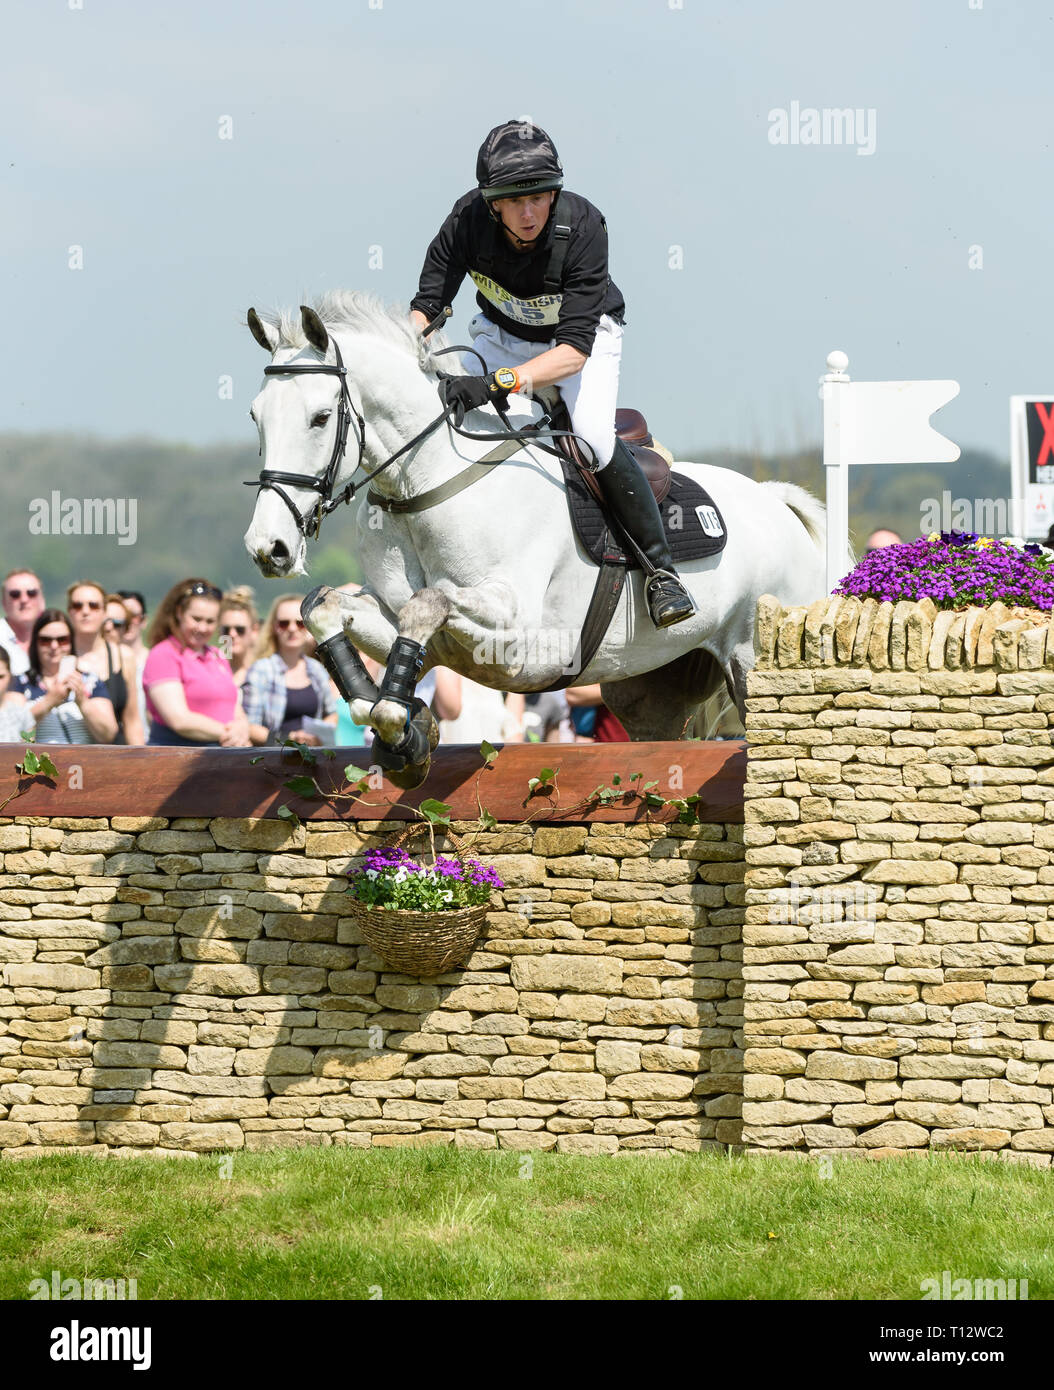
(419, 620)
(332, 612)
(479, 610)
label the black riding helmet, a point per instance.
(515, 159)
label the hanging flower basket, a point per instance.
(422, 919)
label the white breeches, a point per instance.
(591, 395)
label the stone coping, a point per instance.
(912, 635)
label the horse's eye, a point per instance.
(317, 421)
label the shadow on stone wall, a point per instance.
(209, 975)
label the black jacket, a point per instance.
(471, 243)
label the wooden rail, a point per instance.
(106, 781)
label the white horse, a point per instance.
(493, 581)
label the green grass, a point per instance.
(436, 1223)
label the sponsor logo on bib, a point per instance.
(542, 310)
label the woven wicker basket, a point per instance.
(415, 942)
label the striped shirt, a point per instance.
(65, 723)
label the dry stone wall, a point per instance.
(899, 940)
(191, 985)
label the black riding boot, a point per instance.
(628, 494)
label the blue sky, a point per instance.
(355, 124)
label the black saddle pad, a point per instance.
(694, 526)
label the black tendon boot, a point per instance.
(627, 493)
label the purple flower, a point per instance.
(954, 571)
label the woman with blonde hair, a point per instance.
(239, 630)
(190, 692)
(104, 656)
(285, 687)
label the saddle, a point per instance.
(693, 525)
(632, 428)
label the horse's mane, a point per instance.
(360, 312)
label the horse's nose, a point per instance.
(280, 552)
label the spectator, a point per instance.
(190, 692)
(132, 638)
(240, 631)
(115, 624)
(110, 661)
(879, 539)
(15, 718)
(67, 705)
(546, 716)
(607, 728)
(283, 687)
(23, 600)
(584, 722)
(482, 716)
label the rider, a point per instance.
(550, 313)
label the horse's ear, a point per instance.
(314, 329)
(262, 332)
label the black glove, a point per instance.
(463, 393)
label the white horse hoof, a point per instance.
(388, 717)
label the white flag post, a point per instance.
(873, 422)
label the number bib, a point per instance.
(543, 309)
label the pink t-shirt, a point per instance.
(206, 678)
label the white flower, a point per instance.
(371, 873)
(400, 875)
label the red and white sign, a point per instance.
(1032, 463)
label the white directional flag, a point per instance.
(889, 422)
(873, 422)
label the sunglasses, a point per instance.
(116, 623)
(63, 641)
(18, 593)
(93, 604)
(284, 623)
(201, 590)
(233, 631)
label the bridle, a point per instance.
(273, 478)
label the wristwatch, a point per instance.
(506, 378)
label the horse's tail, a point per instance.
(809, 510)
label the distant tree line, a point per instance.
(191, 510)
